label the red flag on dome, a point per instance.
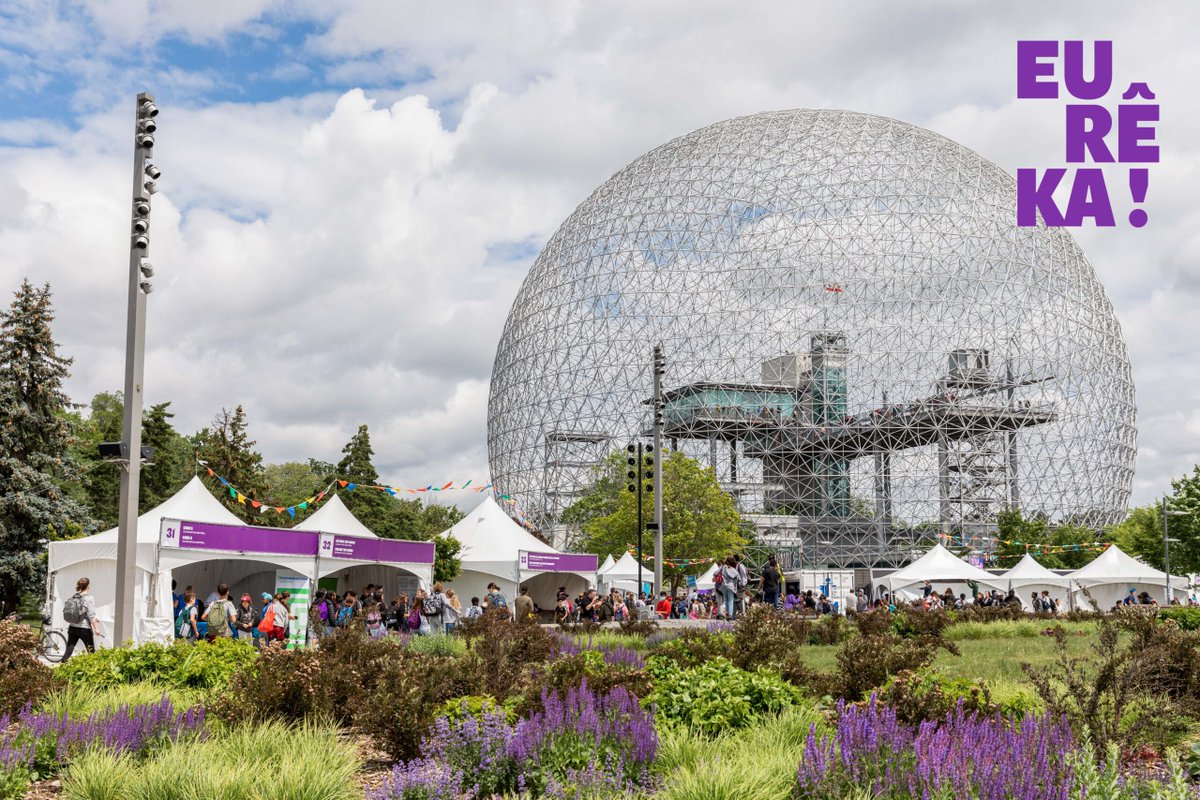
(834, 287)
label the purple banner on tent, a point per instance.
(237, 538)
(359, 548)
(557, 562)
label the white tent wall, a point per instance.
(1108, 594)
(355, 575)
(248, 576)
(543, 586)
(913, 591)
(100, 572)
(1059, 592)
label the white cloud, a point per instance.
(336, 259)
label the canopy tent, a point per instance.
(491, 546)
(335, 517)
(607, 565)
(943, 569)
(624, 574)
(1028, 576)
(95, 557)
(704, 581)
(1110, 575)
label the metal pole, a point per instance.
(1166, 552)
(640, 472)
(658, 473)
(135, 350)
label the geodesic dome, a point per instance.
(859, 340)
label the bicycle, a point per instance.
(53, 642)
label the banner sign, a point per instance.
(236, 538)
(298, 587)
(556, 562)
(360, 548)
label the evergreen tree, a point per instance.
(228, 451)
(35, 440)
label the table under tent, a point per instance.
(492, 548)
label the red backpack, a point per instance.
(268, 620)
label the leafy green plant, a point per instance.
(1186, 617)
(693, 647)
(926, 696)
(78, 700)
(716, 696)
(476, 705)
(203, 665)
(445, 646)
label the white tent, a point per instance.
(607, 565)
(704, 582)
(334, 517)
(1028, 576)
(1110, 576)
(95, 557)
(624, 574)
(491, 544)
(943, 569)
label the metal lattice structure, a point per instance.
(859, 340)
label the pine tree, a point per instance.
(374, 508)
(229, 452)
(35, 441)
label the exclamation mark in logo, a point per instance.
(1139, 182)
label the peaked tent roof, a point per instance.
(705, 579)
(607, 565)
(192, 502)
(939, 564)
(1116, 566)
(489, 535)
(1028, 571)
(334, 517)
(626, 568)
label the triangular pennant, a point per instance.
(342, 484)
(350, 487)
(292, 511)
(303, 505)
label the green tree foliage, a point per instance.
(161, 478)
(699, 519)
(1064, 542)
(446, 561)
(36, 468)
(229, 452)
(1141, 534)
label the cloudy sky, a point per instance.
(353, 191)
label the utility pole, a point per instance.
(1167, 546)
(140, 270)
(660, 367)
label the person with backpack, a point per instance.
(187, 622)
(79, 612)
(219, 615)
(1049, 604)
(345, 613)
(433, 610)
(245, 620)
(496, 598)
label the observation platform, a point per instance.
(778, 422)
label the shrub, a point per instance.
(475, 705)
(693, 647)
(916, 624)
(446, 646)
(716, 696)
(866, 662)
(78, 700)
(1186, 617)
(407, 694)
(765, 636)
(333, 680)
(203, 665)
(641, 628)
(502, 651)
(23, 677)
(926, 696)
(830, 629)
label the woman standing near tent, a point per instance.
(280, 617)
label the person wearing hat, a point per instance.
(266, 598)
(245, 623)
(1131, 598)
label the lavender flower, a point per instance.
(420, 779)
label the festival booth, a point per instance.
(704, 582)
(1028, 576)
(95, 557)
(1110, 576)
(301, 557)
(339, 573)
(943, 569)
(495, 549)
(606, 566)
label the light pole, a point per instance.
(660, 368)
(145, 175)
(1168, 512)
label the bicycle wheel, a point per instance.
(54, 645)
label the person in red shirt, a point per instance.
(664, 606)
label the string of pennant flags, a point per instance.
(264, 507)
(673, 563)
